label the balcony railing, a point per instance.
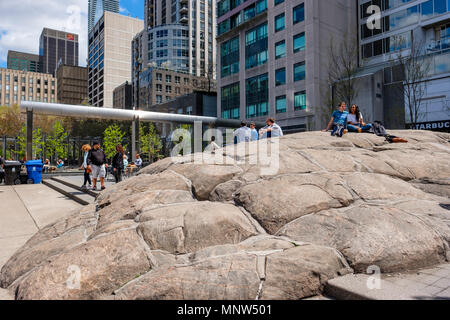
(441, 45)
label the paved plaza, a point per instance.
(24, 210)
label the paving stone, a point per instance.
(427, 279)
(444, 294)
(430, 291)
(443, 283)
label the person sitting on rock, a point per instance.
(138, 161)
(213, 146)
(271, 130)
(243, 134)
(355, 122)
(338, 122)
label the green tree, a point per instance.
(150, 142)
(111, 138)
(56, 142)
(38, 143)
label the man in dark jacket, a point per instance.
(97, 164)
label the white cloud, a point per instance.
(22, 21)
(124, 11)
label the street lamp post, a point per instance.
(135, 125)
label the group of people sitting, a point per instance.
(48, 167)
(342, 121)
(95, 163)
(246, 134)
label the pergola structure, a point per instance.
(85, 112)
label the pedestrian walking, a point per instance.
(87, 177)
(97, 163)
(117, 163)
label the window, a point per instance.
(299, 42)
(159, 77)
(177, 79)
(280, 77)
(300, 100)
(256, 45)
(230, 101)
(275, 2)
(168, 78)
(280, 104)
(299, 71)
(280, 49)
(299, 13)
(279, 22)
(168, 89)
(158, 87)
(257, 96)
(229, 60)
(158, 99)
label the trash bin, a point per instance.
(34, 170)
(12, 172)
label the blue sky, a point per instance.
(22, 21)
(134, 7)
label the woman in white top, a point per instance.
(87, 179)
(356, 122)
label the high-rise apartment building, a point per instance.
(23, 61)
(96, 9)
(197, 18)
(109, 57)
(420, 24)
(57, 47)
(17, 86)
(272, 58)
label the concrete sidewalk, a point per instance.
(24, 210)
(425, 284)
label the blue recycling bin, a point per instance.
(34, 170)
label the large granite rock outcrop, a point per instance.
(247, 229)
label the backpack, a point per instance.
(378, 129)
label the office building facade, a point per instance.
(23, 61)
(423, 25)
(123, 96)
(72, 84)
(96, 8)
(110, 56)
(57, 47)
(272, 58)
(160, 85)
(17, 86)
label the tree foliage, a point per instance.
(112, 136)
(56, 141)
(38, 143)
(11, 121)
(150, 141)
